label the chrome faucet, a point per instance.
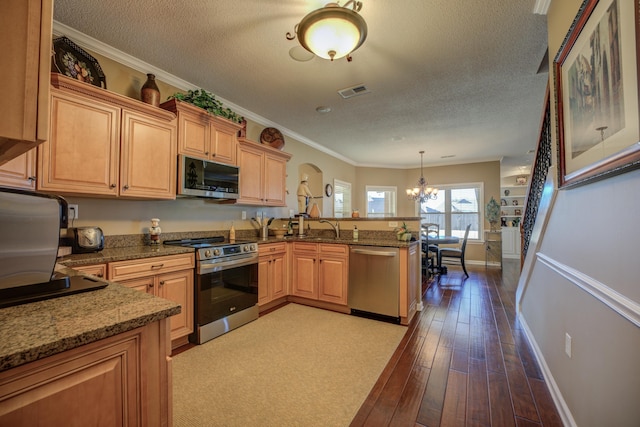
(336, 227)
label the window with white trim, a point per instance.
(341, 199)
(454, 208)
(381, 201)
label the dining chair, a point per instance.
(430, 229)
(457, 253)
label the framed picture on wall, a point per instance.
(596, 82)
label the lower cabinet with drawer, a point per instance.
(272, 274)
(98, 270)
(169, 277)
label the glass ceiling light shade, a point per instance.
(333, 31)
(422, 192)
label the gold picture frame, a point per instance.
(596, 81)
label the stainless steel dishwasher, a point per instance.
(374, 282)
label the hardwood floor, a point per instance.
(464, 361)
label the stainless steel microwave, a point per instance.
(204, 178)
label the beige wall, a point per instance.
(584, 283)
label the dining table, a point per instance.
(437, 241)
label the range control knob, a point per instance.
(245, 248)
(216, 252)
(253, 247)
(207, 253)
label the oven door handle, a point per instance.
(211, 267)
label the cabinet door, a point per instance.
(333, 277)
(250, 162)
(148, 160)
(278, 281)
(264, 276)
(178, 287)
(305, 275)
(82, 153)
(223, 144)
(143, 284)
(275, 172)
(20, 172)
(26, 47)
(193, 134)
(510, 242)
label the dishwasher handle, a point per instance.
(371, 252)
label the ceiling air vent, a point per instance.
(350, 92)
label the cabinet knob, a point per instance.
(112, 186)
(150, 285)
(32, 178)
(126, 187)
(206, 153)
(162, 282)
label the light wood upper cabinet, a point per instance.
(20, 172)
(203, 135)
(26, 48)
(263, 174)
(105, 144)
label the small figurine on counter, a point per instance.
(155, 231)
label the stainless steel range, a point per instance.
(226, 285)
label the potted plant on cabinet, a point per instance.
(208, 102)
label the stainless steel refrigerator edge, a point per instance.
(374, 281)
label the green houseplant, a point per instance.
(403, 233)
(208, 102)
(492, 213)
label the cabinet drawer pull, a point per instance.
(157, 266)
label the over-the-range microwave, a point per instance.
(204, 178)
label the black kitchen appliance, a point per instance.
(226, 285)
(30, 226)
(204, 178)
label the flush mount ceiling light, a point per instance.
(333, 31)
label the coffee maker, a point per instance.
(30, 226)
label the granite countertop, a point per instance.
(39, 329)
(122, 254)
(360, 242)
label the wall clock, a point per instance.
(328, 190)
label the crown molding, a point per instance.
(541, 7)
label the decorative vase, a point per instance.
(150, 93)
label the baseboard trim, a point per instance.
(556, 395)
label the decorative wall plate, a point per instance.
(71, 60)
(272, 137)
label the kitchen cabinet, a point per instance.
(170, 277)
(26, 48)
(20, 172)
(410, 282)
(98, 270)
(204, 135)
(263, 173)
(117, 381)
(272, 272)
(320, 272)
(103, 144)
(511, 242)
(333, 273)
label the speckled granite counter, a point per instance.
(121, 254)
(326, 239)
(33, 331)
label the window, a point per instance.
(341, 199)
(454, 208)
(381, 201)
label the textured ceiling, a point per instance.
(451, 77)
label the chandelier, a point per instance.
(332, 32)
(422, 192)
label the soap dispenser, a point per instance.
(355, 232)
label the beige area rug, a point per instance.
(296, 366)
